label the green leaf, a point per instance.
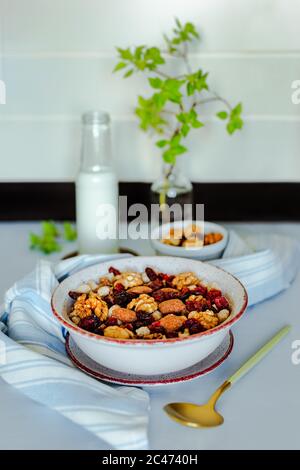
(197, 124)
(222, 115)
(155, 82)
(129, 73)
(49, 229)
(125, 53)
(175, 140)
(183, 117)
(237, 110)
(178, 24)
(35, 240)
(169, 157)
(190, 89)
(119, 66)
(185, 130)
(70, 233)
(179, 149)
(161, 143)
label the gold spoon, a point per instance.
(197, 416)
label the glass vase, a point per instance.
(172, 187)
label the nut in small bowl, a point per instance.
(188, 239)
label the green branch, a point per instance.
(184, 92)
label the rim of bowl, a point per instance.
(149, 342)
(193, 248)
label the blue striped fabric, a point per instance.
(265, 263)
(36, 362)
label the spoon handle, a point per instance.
(259, 355)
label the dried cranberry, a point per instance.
(109, 300)
(121, 298)
(170, 279)
(151, 274)
(156, 324)
(171, 334)
(221, 302)
(112, 321)
(213, 293)
(198, 305)
(119, 287)
(114, 271)
(156, 327)
(192, 305)
(88, 323)
(161, 295)
(74, 295)
(144, 317)
(195, 329)
(184, 293)
(199, 290)
(128, 326)
(156, 284)
(193, 326)
(138, 324)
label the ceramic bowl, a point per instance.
(204, 253)
(150, 356)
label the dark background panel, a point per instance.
(223, 201)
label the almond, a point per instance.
(124, 314)
(171, 306)
(172, 323)
(140, 290)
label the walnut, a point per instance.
(171, 306)
(185, 280)
(155, 336)
(207, 319)
(140, 290)
(117, 332)
(195, 297)
(85, 306)
(99, 306)
(80, 308)
(128, 279)
(124, 314)
(143, 303)
(172, 322)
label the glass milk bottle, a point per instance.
(96, 188)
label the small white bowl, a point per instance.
(151, 357)
(203, 253)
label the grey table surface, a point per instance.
(262, 411)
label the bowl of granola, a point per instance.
(190, 239)
(149, 315)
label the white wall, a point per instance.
(57, 57)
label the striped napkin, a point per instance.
(33, 359)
